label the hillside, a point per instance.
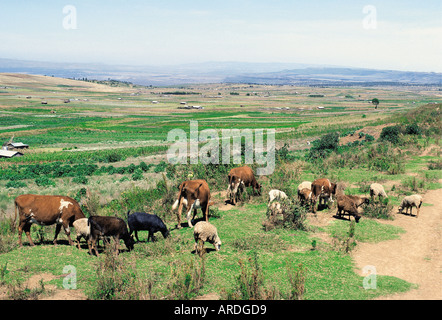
(52, 83)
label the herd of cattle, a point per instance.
(193, 194)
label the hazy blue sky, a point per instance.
(407, 35)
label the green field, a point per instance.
(107, 150)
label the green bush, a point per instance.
(44, 181)
(390, 134)
(324, 146)
(138, 175)
(15, 184)
(80, 180)
(413, 129)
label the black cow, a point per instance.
(138, 221)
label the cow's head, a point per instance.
(129, 242)
(334, 187)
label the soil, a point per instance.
(415, 257)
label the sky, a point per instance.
(395, 35)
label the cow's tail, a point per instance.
(91, 222)
(15, 216)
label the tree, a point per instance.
(375, 101)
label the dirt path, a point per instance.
(415, 257)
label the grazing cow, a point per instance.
(239, 178)
(108, 227)
(193, 194)
(46, 210)
(323, 190)
(144, 221)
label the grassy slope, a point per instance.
(330, 273)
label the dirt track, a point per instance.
(415, 257)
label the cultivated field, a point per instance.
(105, 145)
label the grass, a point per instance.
(329, 274)
(168, 268)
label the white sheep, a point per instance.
(276, 195)
(305, 185)
(82, 229)
(377, 190)
(206, 232)
(414, 200)
(274, 209)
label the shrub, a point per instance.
(413, 129)
(15, 184)
(379, 210)
(80, 180)
(322, 147)
(44, 181)
(138, 175)
(390, 134)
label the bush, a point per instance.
(80, 180)
(44, 181)
(15, 184)
(138, 175)
(323, 146)
(413, 129)
(379, 210)
(390, 134)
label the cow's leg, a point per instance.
(20, 232)
(136, 236)
(57, 231)
(67, 230)
(188, 215)
(94, 246)
(89, 245)
(178, 215)
(206, 211)
(27, 229)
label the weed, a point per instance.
(297, 281)
(187, 279)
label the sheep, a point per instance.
(82, 229)
(414, 200)
(306, 196)
(304, 184)
(276, 195)
(274, 209)
(346, 204)
(377, 190)
(205, 232)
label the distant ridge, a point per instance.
(339, 76)
(218, 72)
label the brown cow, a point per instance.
(46, 210)
(239, 178)
(323, 190)
(108, 227)
(193, 194)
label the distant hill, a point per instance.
(338, 76)
(216, 72)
